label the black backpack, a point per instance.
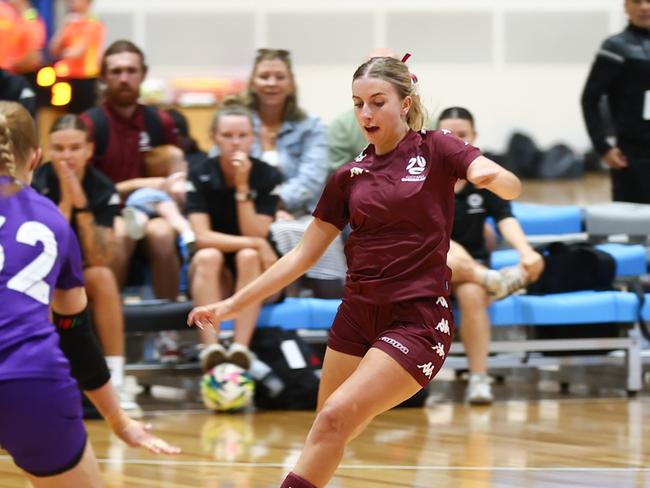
(572, 267)
(560, 162)
(286, 372)
(152, 123)
(522, 156)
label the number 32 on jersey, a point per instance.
(29, 280)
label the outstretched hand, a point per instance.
(137, 434)
(211, 315)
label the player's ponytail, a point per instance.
(17, 137)
(7, 163)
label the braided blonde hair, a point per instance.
(17, 137)
(6, 148)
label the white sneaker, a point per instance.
(128, 403)
(135, 221)
(493, 283)
(515, 278)
(479, 390)
(211, 355)
(504, 282)
(240, 355)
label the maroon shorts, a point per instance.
(416, 333)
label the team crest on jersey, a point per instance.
(475, 202)
(415, 167)
(355, 171)
(145, 142)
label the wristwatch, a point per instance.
(245, 196)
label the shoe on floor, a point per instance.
(211, 355)
(129, 405)
(135, 221)
(240, 355)
(479, 390)
(167, 348)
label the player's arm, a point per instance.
(485, 173)
(315, 241)
(87, 364)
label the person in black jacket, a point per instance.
(621, 71)
(15, 88)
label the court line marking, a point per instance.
(383, 467)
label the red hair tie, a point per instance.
(414, 79)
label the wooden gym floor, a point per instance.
(534, 435)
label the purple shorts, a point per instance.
(416, 333)
(41, 424)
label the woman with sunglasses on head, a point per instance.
(41, 272)
(296, 143)
(474, 285)
(394, 326)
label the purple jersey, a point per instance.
(400, 207)
(38, 253)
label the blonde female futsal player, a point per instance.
(393, 329)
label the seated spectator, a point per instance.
(77, 46)
(166, 202)
(90, 203)
(124, 132)
(295, 142)
(473, 284)
(231, 206)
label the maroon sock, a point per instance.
(294, 481)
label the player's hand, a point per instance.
(615, 158)
(211, 315)
(533, 264)
(137, 434)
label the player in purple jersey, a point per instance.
(40, 265)
(393, 329)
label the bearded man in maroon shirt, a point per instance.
(125, 134)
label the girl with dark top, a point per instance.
(474, 286)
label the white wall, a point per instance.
(517, 64)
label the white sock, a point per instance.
(188, 236)
(116, 367)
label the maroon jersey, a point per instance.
(121, 146)
(400, 207)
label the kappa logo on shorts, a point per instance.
(427, 369)
(396, 344)
(442, 301)
(443, 326)
(440, 349)
(415, 167)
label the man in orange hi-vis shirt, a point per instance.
(78, 47)
(10, 35)
(26, 55)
